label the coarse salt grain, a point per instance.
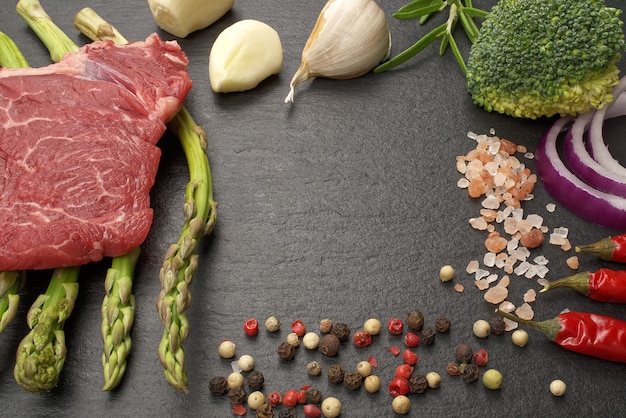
(525, 312)
(496, 295)
(572, 262)
(550, 207)
(530, 295)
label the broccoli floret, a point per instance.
(535, 58)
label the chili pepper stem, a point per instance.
(550, 327)
(602, 249)
(578, 282)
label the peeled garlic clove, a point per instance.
(181, 17)
(243, 55)
(349, 39)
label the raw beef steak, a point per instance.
(78, 153)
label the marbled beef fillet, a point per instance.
(77, 151)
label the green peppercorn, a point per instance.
(218, 385)
(471, 373)
(329, 345)
(264, 411)
(497, 325)
(442, 324)
(352, 380)
(255, 380)
(237, 395)
(427, 336)
(335, 373)
(418, 383)
(415, 320)
(286, 351)
(463, 353)
(341, 331)
(314, 396)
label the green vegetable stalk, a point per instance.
(118, 306)
(10, 281)
(118, 315)
(200, 209)
(41, 354)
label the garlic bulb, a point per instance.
(349, 39)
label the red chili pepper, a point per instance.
(362, 338)
(411, 339)
(610, 249)
(251, 327)
(603, 285)
(595, 335)
(299, 328)
(395, 326)
(399, 386)
(409, 357)
(481, 357)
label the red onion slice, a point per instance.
(569, 191)
(584, 166)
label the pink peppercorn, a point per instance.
(298, 328)
(395, 326)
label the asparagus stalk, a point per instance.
(10, 281)
(41, 354)
(118, 315)
(118, 306)
(200, 209)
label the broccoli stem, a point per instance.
(200, 209)
(118, 306)
(41, 354)
(461, 11)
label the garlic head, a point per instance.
(349, 39)
(243, 55)
(182, 17)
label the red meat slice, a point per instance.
(78, 153)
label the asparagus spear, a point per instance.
(118, 305)
(41, 354)
(200, 209)
(10, 281)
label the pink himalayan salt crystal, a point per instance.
(496, 295)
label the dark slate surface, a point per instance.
(342, 205)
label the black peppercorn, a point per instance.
(471, 373)
(255, 380)
(329, 345)
(313, 396)
(286, 351)
(265, 411)
(287, 413)
(237, 395)
(427, 336)
(218, 386)
(415, 320)
(463, 353)
(335, 373)
(341, 331)
(497, 325)
(417, 383)
(442, 324)
(453, 369)
(352, 381)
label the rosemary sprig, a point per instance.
(459, 11)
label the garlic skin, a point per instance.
(182, 17)
(243, 55)
(349, 39)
